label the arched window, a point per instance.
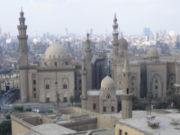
(55, 64)
(108, 96)
(66, 63)
(171, 81)
(65, 83)
(104, 109)
(64, 86)
(112, 108)
(127, 90)
(156, 86)
(47, 86)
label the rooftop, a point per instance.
(52, 129)
(169, 122)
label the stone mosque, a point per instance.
(59, 76)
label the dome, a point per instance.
(153, 52)
(123, 43)
(107, 83)
(55, 51)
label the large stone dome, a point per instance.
(153, 52)
(55, 51)
(123, 43)
(107, 83)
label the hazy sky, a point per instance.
(54, 16)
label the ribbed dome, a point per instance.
(153, 52)
(123, 43)
(107, 83)
(55, 51)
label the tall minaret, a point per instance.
(23, 58)
(84, 85)
(88, 58)
(126, 96)
(115, 43)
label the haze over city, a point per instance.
(89, 67)
(54, 16)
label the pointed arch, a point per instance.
(156, 86)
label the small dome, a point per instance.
(123, 43)
(55, 51)
(153, 52)
(107, 83)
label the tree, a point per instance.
(149, 97)
(8, 116)
(170, 95)
(71, 100)
(5, 127)
(19, 108)
(176, 101)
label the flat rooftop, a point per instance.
(52, 129)
(169, 122)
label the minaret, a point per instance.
(23, 57)
(88, 58)
(126, 96)
(115, 43)
(84, 85)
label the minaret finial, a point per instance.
(115, 19)
(22, 13)
(88, 35)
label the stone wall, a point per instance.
(19, 126)
(102, 121)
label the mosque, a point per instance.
(59, 76)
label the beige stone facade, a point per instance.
(53, 80)
(148, 73)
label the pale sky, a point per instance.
(54, 16)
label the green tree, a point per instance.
(19, 108)
(149, 98)
(176, 102)
(28, 110)
(5, 128)
(71, 100)
(8, 116)
(170, 95)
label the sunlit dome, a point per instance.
(153, 52)
(55, 51)
(107, 83)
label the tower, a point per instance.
(23, 58)
(120, 49)
(115, 43)
(84, 85)
(126, 96)
(88, 58)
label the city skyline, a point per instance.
(55, 16)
